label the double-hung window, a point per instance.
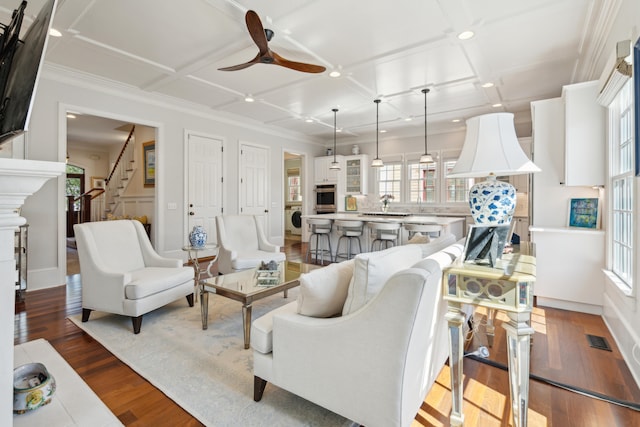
(390, 180)
(621, 170)
(422, 182)
(456, 189)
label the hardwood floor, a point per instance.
(560, 352)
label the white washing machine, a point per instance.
(296, 221)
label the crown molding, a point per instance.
(79, 79)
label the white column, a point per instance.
(19, 179)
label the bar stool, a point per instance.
(384, 233)
(350, 230)
(431, 230)
(320, 228)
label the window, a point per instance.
(457, 189)
(422, 182)
(390, 180)
(293, 185)
(621, 148)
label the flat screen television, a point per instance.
(20, 64)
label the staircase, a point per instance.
(119, 179)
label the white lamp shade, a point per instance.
(491, 148)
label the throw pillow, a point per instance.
(324, 291)
(436, 245)
(372, 270)
(420, 238)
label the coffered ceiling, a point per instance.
(391, 49)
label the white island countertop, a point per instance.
(390, 217)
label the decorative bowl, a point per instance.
(33, 387)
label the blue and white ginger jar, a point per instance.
(198, 237)
(492, 202)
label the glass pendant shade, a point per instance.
(426, 158)
(335, 165)
(377, 162)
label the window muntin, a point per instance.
(456, 189)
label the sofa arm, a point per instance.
(356, 364)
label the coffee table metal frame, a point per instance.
(247, 298)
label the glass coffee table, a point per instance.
(251, 285)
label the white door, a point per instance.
(205, 183)
(254, 182)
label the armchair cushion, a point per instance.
(371, 271)
(152, 280)
(324, 291)
(244, 260)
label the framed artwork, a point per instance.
(149, 156)
(584, 213)
(485, 243)
(97, 182)
(351, 203)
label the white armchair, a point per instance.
(242, 244)
(121, 273)
(373, 365)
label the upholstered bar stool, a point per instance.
(384, 234)
(431, 230)
(351, 231)
(320, 230)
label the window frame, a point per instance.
(621, 242)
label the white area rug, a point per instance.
(208, 373)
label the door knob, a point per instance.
(191, 213)
(266, 211)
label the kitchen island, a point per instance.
(453, 225)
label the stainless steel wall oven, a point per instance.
(326, 195)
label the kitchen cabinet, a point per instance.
(357, 168)
(321, 172)
(584, 128)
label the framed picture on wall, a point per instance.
(97, 182)
(149, 156)
(584, 213)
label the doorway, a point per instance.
(293, 196)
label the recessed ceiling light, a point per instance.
(497, 105)
(466, 35)
(339, 130)
(408, 119)
(309, 120)
(71, 116)
(54, 33)
(249, 98)
(455, 120)
(383, 131)
(334, 74)
(488, 84)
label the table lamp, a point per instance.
(491, 149)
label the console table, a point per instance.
(508, 287)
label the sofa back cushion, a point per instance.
(371, 271)
(436, 245)
(324, 291)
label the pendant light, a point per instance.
(334, 165)
(426, 157)
(377, 162)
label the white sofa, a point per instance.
(121, 272)
(242, 244)
(366, 338)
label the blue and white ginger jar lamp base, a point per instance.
(492, 202)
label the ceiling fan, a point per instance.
(261, 38)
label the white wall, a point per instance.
(622, 312)
(63, 89)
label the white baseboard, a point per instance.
(569, 305)
(625, 336)
(45, 278)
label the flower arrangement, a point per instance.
(386, 199)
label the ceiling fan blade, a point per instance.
(298, 66)
(256, 30)
(242, 66)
